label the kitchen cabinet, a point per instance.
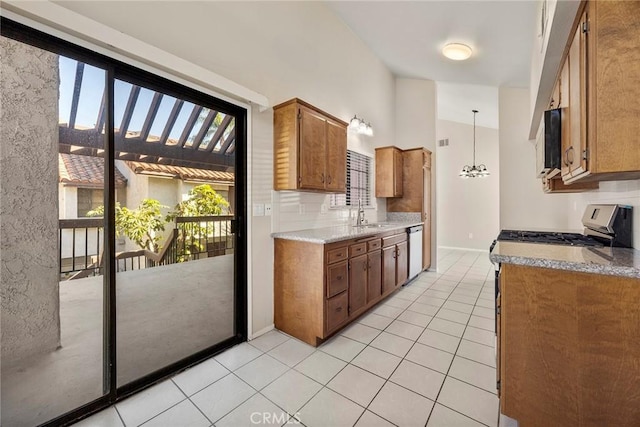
(395, 262)
(320, 288)
(600, 121)
(568, 347)
(389, 172)
(416, 197)
(310, 149)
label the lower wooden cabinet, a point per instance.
(568, 347)
(320, 288)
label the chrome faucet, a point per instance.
(360, 217)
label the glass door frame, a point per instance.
(119, 70)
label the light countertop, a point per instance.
(342, 232)
(608, 261)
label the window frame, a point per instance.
(344, 201)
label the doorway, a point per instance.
(128, 261)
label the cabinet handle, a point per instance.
(339, 278)
(338, 310)
(394, 254)
(570, 150)
(322, 178)
(398, 252)
(566, 157)
(364, 267)
(329, 179)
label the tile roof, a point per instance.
(180, 172)
(84, 171)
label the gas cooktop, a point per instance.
(572, 239)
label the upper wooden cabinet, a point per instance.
(600, 124)
(388, 172)
(310, 149)
(416, 197)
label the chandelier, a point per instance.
(474, 171)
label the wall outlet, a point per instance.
(470, 235)
(267, 209)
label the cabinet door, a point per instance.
(573, 155)
(397, 173)
(312, 148)
(402, 266)
(426, 216)
(374, 276)
(388, 269)
(336, 180)
(357, 284)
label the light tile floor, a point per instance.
(422, 357)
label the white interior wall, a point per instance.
(468, 209)
(523, 204)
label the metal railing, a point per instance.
(81, 245)
(204, 236)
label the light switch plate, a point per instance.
(258, 209)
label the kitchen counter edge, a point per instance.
(621, 262)
(343, 232)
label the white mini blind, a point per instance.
(358, 182)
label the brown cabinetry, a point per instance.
(568, 347)
(389, 172)
(310, 149)
(600, 75)
(321, 288)
(416, 197)
(395, 262)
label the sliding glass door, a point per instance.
(123, 246)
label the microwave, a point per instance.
(549, 143)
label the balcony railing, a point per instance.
(81, 245)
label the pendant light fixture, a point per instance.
(474, 171)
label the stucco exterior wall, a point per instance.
(28, 201)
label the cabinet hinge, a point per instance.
(349, 265)
(498, 385)
(585, 154)
(299, 179)
(497, 310)
(585, 27)
(299, 115)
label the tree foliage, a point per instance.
(142, 225)
(203, 200)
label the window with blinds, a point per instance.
(358, 182)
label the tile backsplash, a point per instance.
(296, 210)
(404, 216)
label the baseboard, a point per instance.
(262, 332)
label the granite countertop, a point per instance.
(608, 261)
(342, 232)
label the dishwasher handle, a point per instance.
(414, 229)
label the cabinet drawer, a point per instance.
(337, 311)
(395, 239)
(357, 249)
(337, 278)
(372, 245)
(336, 255)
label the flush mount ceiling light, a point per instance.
(474, 171)
(457, 51)
(360, 126)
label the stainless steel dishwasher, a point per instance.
(415, 250)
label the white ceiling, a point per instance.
(408, 37)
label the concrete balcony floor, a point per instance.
(164, 314)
